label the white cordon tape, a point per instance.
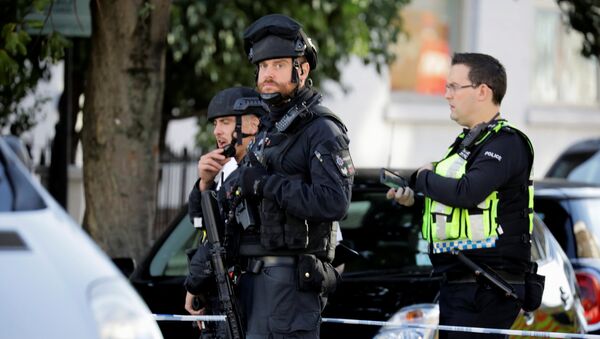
(175, 317)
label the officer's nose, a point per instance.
(448, 94)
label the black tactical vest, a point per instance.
(281, 233)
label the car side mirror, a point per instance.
(125, 265)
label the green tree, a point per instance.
(128, 76)
(206, 49)
(584, 16)
(24, 60)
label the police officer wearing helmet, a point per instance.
(479, 204)
(299, 172)
(235, 114)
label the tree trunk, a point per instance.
(122, 117)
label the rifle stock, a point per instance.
(211, 218)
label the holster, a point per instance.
(534, 289)
(316, 275)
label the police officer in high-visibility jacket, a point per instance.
(478, 200)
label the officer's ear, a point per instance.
(484, 92)
(252, 122)
(303, 71)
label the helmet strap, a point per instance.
(295, 68)
(238, 130)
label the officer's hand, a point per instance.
(189, 306)
(252, 181)
(404, 196)
(209, 166)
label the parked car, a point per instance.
(56, 282)
(572, 213)
(580, 162)
(561, 309)
(392, 269)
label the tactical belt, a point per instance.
(469, 277)
(255, 264)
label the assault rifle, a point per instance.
(224, 286)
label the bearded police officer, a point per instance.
(298, 172)
(235, 114)
(478, 202)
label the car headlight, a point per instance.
(427, 314)
(120, 313)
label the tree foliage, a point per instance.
(24, 60)
(584, 17)
(206, 48)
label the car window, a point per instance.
(386, 236)
(556, 217)
(6, 193)
(567, 163)
(587, 171)
(17, 191)
(171, 258)
(586, 225)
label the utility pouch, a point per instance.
(296, 232)
(271, 227)
(534, 289)
(316, 275)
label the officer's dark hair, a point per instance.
(484, 69)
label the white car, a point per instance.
(55, 282)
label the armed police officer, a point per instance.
(235, 114)
(298, 172)
(478, 204)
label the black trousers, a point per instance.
(476, 305)
(276, 309)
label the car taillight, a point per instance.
(590, 296)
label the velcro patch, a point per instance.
(344, 163)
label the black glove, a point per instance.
(252, 181)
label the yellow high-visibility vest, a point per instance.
(448, 227)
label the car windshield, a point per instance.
(386, 236)
(6, 195)
(582, 167)
(587, 171)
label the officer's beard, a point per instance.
(280, 98)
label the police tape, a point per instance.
(179, 317)
(481, 330)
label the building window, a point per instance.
(423, 53)
(561, 75)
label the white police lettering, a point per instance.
(493, 155)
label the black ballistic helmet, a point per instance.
(236, 101)
(278, 36)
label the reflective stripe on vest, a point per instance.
(450, 227)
